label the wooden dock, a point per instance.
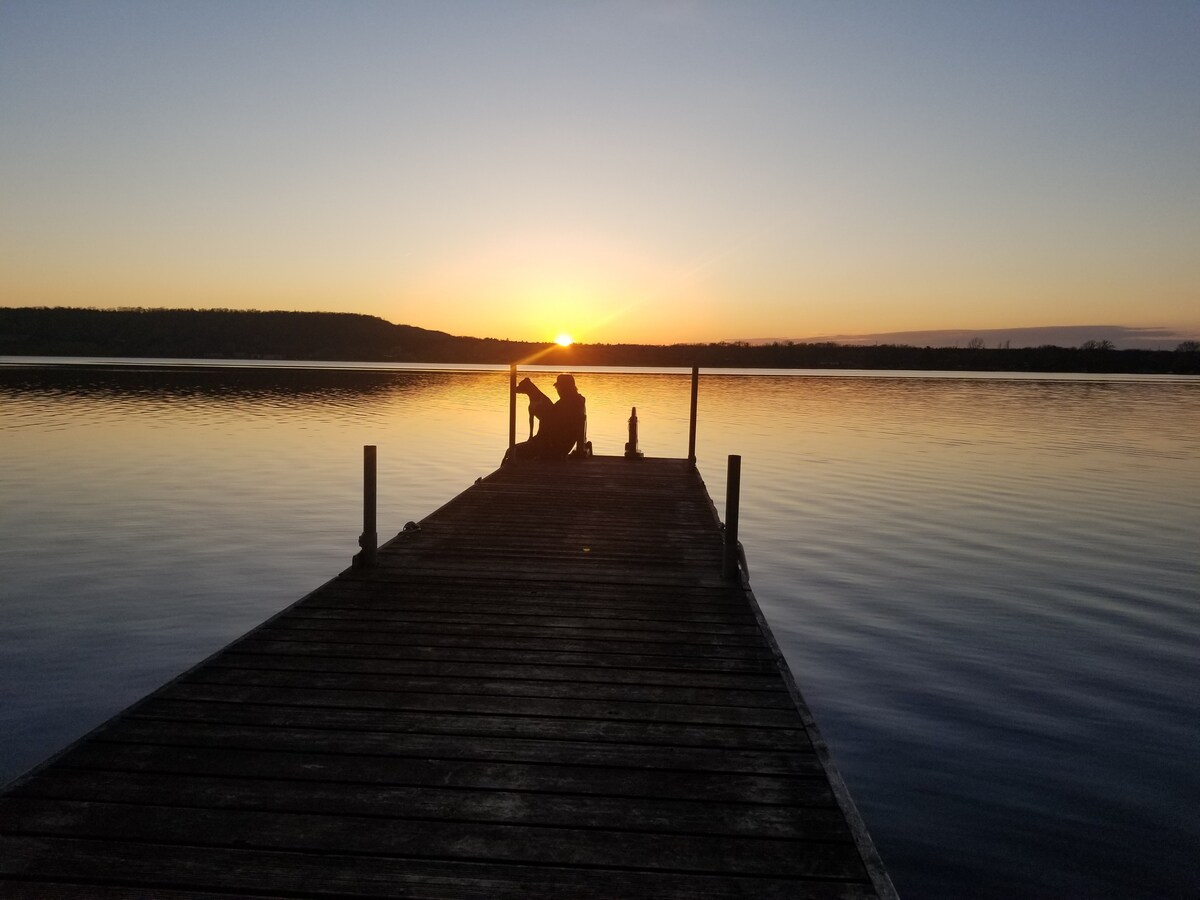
(545, 690)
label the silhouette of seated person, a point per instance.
(561, 424)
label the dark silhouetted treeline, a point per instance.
(239, 334)
(208, 334)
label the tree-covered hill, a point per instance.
(212, 334)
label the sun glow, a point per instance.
(564, 340)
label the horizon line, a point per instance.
(1131, 336)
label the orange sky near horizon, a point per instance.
(654, 173)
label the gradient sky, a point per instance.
(622, 171)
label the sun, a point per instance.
(564, 340)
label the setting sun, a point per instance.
(564, 340)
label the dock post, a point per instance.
(369, 539)
(692, 423)
(733, 498)
(631, 448)
(512, 405)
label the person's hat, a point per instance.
(564, 380)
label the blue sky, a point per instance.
(620, 171)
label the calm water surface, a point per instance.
(986, 586)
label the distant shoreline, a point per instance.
(362, 367)
(297, 337)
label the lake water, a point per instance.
(987, 586)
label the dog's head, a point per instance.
(525, 386)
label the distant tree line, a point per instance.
(241, 334)
(205, 334)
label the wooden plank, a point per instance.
(349, 678)
(430, 609)
(467, 587)
(255, 656)
(530, 644)
(314, 646)
(280, 873)
(431, 802)
(474, 725)
(559, 778)
(528, 630)
(547, 690)
(386, 836)
(408, 619)
(395, 745)
(228, 691)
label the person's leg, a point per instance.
(525, 450)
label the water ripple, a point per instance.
(988, 588)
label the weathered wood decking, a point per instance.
(546, 691)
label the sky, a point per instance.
(652, 172)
